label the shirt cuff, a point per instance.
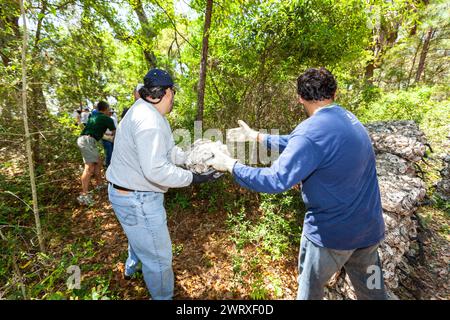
(190, 178)
(236, 167)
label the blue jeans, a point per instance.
(108, 146)
(144, 221)
(317, 265)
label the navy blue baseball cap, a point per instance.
(158, 78)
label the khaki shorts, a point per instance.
(88, 148)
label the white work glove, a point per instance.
(177, 156)
(221, 161)
(242, 134)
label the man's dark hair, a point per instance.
(153, 93)
(316, 84)
(102, 106)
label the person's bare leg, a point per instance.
(98, 173)
(86, 177)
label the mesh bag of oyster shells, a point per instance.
(402, 138)
(398, 145)
(401, 194)
(200, 152)
(389, 164)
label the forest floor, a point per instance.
(206, 261)
(213, 256)
(208, 264)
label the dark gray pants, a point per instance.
(317, 265)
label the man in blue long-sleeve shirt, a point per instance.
(331, 155)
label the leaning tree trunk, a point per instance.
(413, 64)
(205, 45)
(147, 31)
(27, 130)
(423, 54)
(37, 107)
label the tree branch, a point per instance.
(174, 25)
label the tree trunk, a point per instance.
(384, 37)
(121, 32)
(423, 54)
(149, 33)
(376, 49)
(413, 64)
(369, 72)
(202, 78)
(27, 130)
(37, 110)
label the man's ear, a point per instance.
(299, 99)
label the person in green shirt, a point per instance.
(94, 130)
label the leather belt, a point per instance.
(115, 186)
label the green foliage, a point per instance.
(399, 64)
(443, 205)
(256, 51)
(258, 289)
(179, 201)
(54, 285)
(45, 275)
(177, 249)
(428, 106)
(275, 231)
(398, 105)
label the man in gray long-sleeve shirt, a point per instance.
(142, 169)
